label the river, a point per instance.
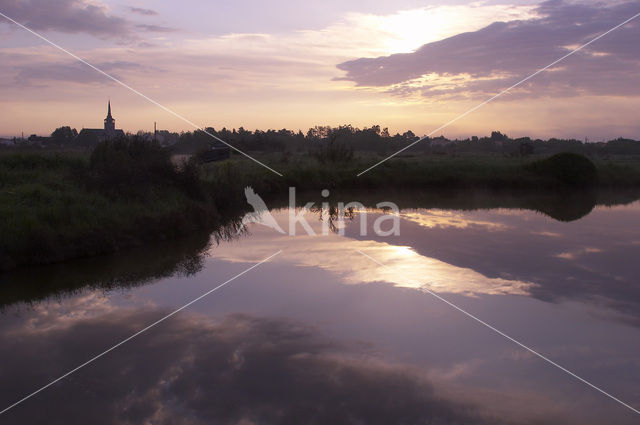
(481, 316)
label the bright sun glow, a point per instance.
(407, 30)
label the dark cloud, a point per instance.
(141, 11)
(74, 16)
(516, 49)
(239, 370)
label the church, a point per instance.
(93, 136)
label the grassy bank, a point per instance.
(60, 206)
(561, 172)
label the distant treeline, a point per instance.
(369, 139)
(374, 139)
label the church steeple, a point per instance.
(109, 122)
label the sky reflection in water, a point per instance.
(324, 335)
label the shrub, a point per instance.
(130, 166)
(189, 178)
(334, 152)
(567, 169)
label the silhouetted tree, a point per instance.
(64, 135)
(496, 136)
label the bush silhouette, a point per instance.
(134, 167)
(567, 169)
(333, 152)
(122, 165)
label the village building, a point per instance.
(93, 136)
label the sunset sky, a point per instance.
(405, 64)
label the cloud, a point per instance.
(141, 11)
(41, 74)
(500, 54)
(155, 28)
(72, 16)
(75, 16)
(237, 370)
(287, 78)
(44, 73)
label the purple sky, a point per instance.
(405, 64)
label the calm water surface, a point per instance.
(323, 335)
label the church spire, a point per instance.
(109, 122)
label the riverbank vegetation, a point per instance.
(125, 193)
(306, 172)
(61, 204)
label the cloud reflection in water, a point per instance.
(237, 370)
